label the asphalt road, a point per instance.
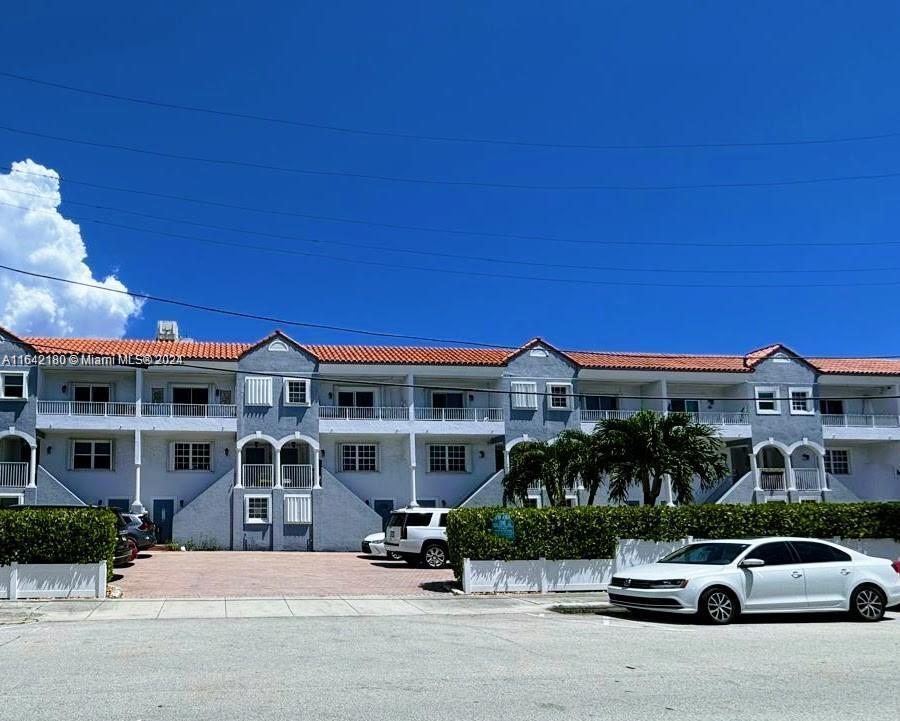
(521, 666)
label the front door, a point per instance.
(163, 510)
(778, 585)
(740, 462)
(383, 507)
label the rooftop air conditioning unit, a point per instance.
(166, 330)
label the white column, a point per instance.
(671, 501)
(237, 470)
(506, 460)
(276, 459)
(136, 504)
(789, 472)
(411, 396)
(138, 390)
(32, 468)
(823, 479)
(664, 396)
(317, 473)
(412, 471)
(755, 471)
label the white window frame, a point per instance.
(305, 509)
(257, 521)
(776, 411)
(809, 400)
(524, 395)
(567, 398)
(278, 346)
(286, 392)
(828, 463)
(376, 401)
(20, 497)
(573, 497)
(191, 445)
(79, 384)
(23, 375)
(93, 442)
(265, 390)
(446, 469)
(340, 458)
(537, 498)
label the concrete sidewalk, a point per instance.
(144, 609)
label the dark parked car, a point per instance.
(122, 554)
(141, 529)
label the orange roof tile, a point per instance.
(188, 349)
(408, 354)
(659, 361)
(857, 366)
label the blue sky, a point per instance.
(577, 72)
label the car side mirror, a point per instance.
(752, 563)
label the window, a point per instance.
(296, 391)
(359, 457)
(123, 504)
(831, 407)
(11, 499)
(706, 554)
(571, 501)
(191, 456)
(532, 502)
(524, 395)
(91, 393)
(92, 455)
(599, 403)
(442, 520)
(445, 399)
(447, 459)
(256, 509)
(538, 353)
(767, 402)
(418, 520)
(811, 552)
(777, 553)
(278, 346)
(837, 461)
(226, 396)
(12, 385)
(801, 401)
(356, 399)
(157, 395)
(560, 397)
(258, 391)
(684, 405)
(298, 508)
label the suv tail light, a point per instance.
(403, 528)
(145, 526)
(896, 566)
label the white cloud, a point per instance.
(35, 237)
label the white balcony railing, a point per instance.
(357, 413)
(257, 475)
(721, 418)
(188, 410)
(13, 474)
(85, 408)
(772, 479)
(459, 414)
(861, 420)
(807, 479)
(296, 476)
(589, 416)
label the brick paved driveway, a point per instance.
(174, 574)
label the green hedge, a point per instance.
(57, 535)
(591, 531)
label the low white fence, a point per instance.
(546, 576)
(53, 580)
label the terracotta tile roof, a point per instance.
(408, 354)
(659, 361)
(857, 366)
(188, 349)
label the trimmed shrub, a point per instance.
(591, 531)
(57, 535)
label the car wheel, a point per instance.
(867, 603)
(434, 555)
(718, 606)
(394, 556)
(133, 547)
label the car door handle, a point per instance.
(845, 572)
(796, 574)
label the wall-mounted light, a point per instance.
(710, 403)
(65, 388)
(481, 454)
(226, 452)
(330, 395)
(806, 456)
(471, 396)
(49, 450)
(181, 503)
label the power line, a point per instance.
(444, 182)
(447, 231)
(441, 138)
(391, 249)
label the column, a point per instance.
(32, 468)
(664, 397)
(412, 471)
(789, 472)
(755, 471)
(136, 505)
(671, 499)
(276, 460)
(316, 467)
(138, 390)
(823, 479)
(237, 469)
(411, 397)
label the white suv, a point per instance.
(418, 535)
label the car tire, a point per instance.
(434, 555)
(867, 603)
(718, 606)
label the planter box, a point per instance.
(53, 580)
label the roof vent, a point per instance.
(166, 330)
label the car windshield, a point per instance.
(397, 519)
(710, 554)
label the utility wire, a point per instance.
(440, 138)
(447, 231)
(445, 182)
(391, 249)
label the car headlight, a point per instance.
(670, 583)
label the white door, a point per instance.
(828, 572)
(779, 584)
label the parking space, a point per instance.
(249, 574)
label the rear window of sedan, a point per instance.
(711, 554)
(812, 552)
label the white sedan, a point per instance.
(373, 545)
(720, 579)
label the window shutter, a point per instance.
(298, 508)
(172, 456)
(112, 454)
(524, 395)
(258, 391)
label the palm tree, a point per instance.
(644, 449)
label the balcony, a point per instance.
(13, 474)
(296, 476)
(85, 415)
(772, 480)
(262, 475)
(861, 426)
(393, 419)
(729, 424)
